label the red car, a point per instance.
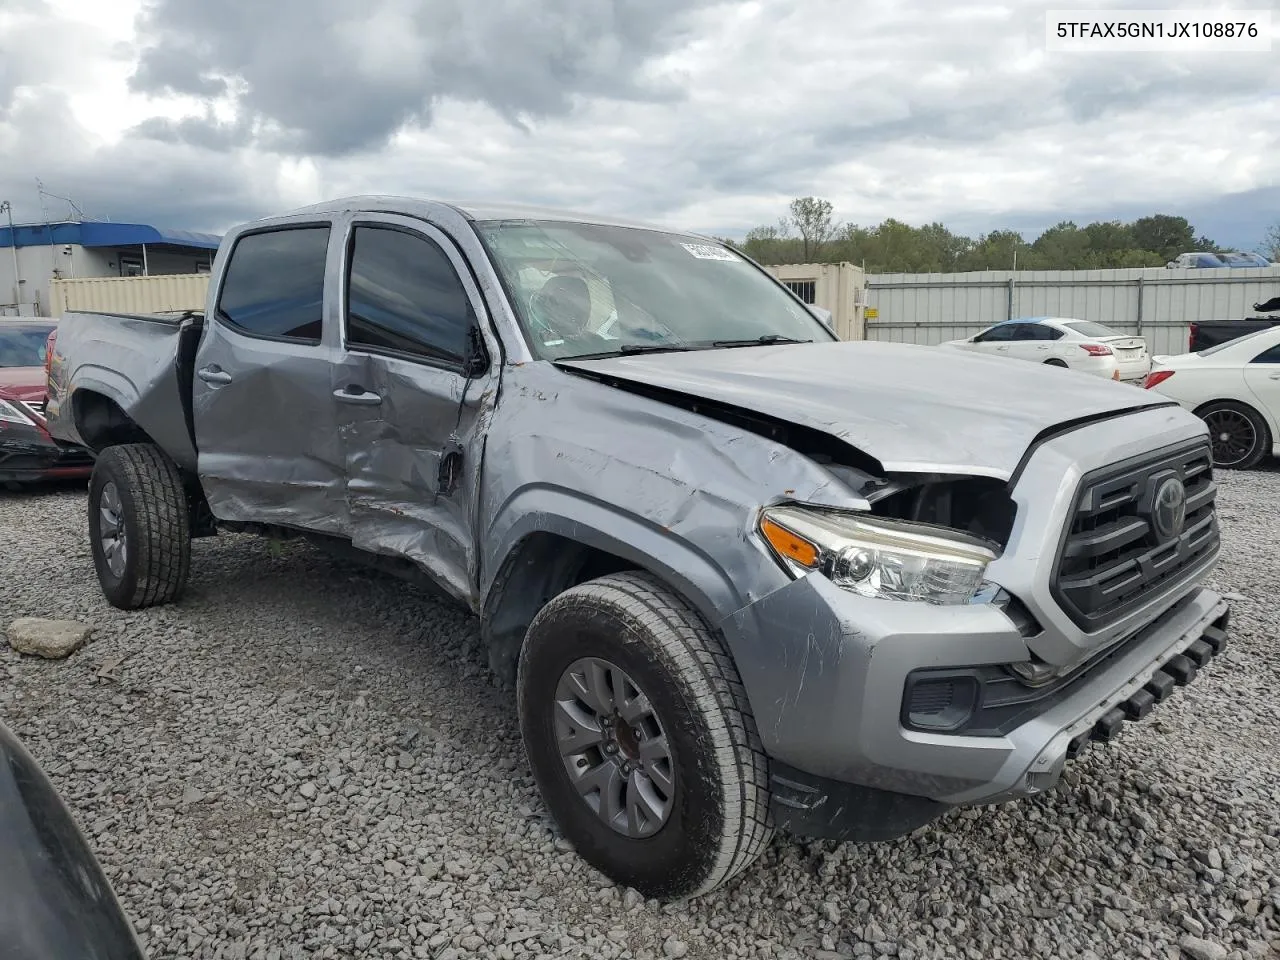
(27, 452)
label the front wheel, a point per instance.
(1238, 433)
(139, 526)
(640, 738)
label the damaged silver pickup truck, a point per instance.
(744, 576)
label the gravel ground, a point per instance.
(306, 760)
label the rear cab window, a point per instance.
(273, 286)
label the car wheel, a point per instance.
(640, 737)
(1056, 363)
(139, 526)
(1238, 433)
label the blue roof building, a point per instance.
(41, 252)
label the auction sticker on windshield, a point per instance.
(706, 251)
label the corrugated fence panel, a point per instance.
(154, 294)
(1155, 303)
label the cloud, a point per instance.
(705, 115)
(327, 77)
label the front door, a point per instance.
(410, 408)
(264, 420)
(1263, 377)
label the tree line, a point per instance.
(810, 234)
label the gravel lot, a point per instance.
(306, 760)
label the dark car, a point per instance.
(27, 452)
(55, 901)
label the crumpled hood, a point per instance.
(910, 407)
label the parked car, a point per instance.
(1235, 388)
(743, 576)
(1217, 261)
(1064, 342)
(1209, 333)
(27, 452)
(55, 901)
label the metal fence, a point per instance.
(155, 294)
(1157, 303)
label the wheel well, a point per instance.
(1055, 362)
(541, 566)
(1231, 402)
(101, 422)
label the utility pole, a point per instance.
(7, 207)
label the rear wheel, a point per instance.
(1055, 363)
(640, 738)
(1239, 435)
(139, 526)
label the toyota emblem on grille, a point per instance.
(1169, 511)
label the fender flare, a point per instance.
(603, 526)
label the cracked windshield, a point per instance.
(584, 290)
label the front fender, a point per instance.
(611, 528)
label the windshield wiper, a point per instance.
(767, 339)
(629, 349)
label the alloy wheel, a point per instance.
(111, 532)
(1232, 435)
(614, 747)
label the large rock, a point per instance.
(1198, 949)
(51, 639)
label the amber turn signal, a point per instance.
(788, 544)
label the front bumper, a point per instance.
(816, 806)
(29, 455)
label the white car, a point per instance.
(1235, 388)
(1064, 342)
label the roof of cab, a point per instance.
(479, 211)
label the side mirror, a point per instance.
(822, 313)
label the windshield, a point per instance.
(1088, 328)
(584, 289)
(22, 344)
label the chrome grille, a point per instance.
(1111, 558)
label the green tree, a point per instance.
(1164, 234)
(895, 246)
(812, 219)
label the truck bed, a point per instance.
(143, 363)
(1210, 333)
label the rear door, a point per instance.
(264, 416)
(1262, 376)
(410, 408)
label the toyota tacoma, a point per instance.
(744, 576)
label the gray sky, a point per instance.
(708, 115)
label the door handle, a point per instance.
(213, 374)
(353, 393)
(1275, 376)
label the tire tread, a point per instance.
(162, 518)
(694, 652)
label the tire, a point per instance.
(137, 489)
(1238, 433)
(715, 778)
(1055, 363)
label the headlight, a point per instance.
(12, 413)
(892, 559)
